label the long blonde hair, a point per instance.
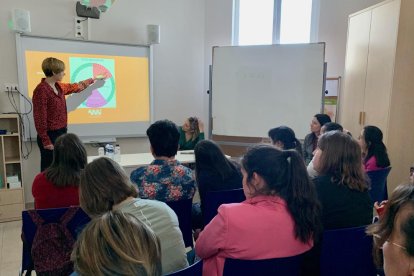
(117, 243)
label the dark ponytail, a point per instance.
(285, 175)
(301, 198)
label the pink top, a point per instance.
(371, 164)
(257, 228)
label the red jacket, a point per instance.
(49, 109)
(47, 195)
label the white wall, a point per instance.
(178, 60)
(333, 26)
(189, 29)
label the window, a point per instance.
(274, 21)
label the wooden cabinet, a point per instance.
(378, 85)
(11, 194)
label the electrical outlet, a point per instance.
(79, 27)
(11, 87)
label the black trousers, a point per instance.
(46, 156)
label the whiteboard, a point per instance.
(255, 88)
(122, 107)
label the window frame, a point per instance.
(277, 8)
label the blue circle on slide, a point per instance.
(87, 65)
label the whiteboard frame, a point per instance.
(24, 106)
(211, 90)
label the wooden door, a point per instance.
(380, 69)
(352, 96)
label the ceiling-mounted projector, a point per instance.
(89, 12)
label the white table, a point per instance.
(135, 160)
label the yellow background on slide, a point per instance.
(131, 84)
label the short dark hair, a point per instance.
(331, 126)
(164, 137)
(69, 158)
(285, 175)
(104, 184)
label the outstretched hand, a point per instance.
(100, 77)
(98, 83)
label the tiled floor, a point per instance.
(10, 248)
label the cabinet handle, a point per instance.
(360, 118)
(363, 118)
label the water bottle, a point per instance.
(101, 151)
(117, 153)
(109, 151)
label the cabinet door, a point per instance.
(352, 97)
(381, 57)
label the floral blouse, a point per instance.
(164, 181)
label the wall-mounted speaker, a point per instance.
(154, 34)
(21, 21)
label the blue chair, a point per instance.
(378, 178)
(288, 266)
(347, 252)
(182, 209)
(213, 200)
(29, 228)
(193, 270)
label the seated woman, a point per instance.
(117, 243)
(279, 218)
(341, 185)
(105, 187)
(214, 172)
(342, 189)
(325, 128)
(373, 149)
(191, 133)
(284, 138)
(57, 186)
(311, 140)
(394, 233)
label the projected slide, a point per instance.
(123, 95)
(85, 68)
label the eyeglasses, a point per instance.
(378, 237)
(397, 245)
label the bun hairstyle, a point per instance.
(285, 175)
(287, 136)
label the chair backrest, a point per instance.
(182, 209)
(288, 266)
(378, 178)
(75, 225)
(213, 200)
(347, 252)
(195, 269)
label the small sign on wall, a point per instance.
(331, 103)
